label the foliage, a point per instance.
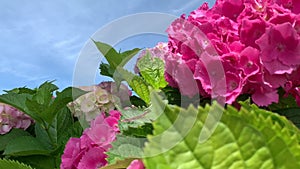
(9, 164)
(249, 138)
(54, 124)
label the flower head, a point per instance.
(11, 117)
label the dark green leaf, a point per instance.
(62, 125)
(39, 161)
(106, 70)
(140, 132)
(13, 134)
(43, 137)
(136, 101)
(293, 114)
(25, 145)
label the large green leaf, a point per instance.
(26, 145)
(39, 161)
(249, 138)
(13, 134)
(9, 164)
(152, 69)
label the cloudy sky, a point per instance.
(44, 40)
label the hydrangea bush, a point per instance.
(223, 92)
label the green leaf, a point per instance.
(13, 134)
(21, 90)
(140, 132)
(44, 93)
(106, 70)
(111, 55)
(25, 145)
(249, 138)
(137, 83)
(43, 137)
(62, 125)
(120, 164)
(292, 114)
(10, 164)
(38, 161)
(152, 70)
(62, 99)
(136, 101)
(127, 55)
(19, 101)
(285, 102)
(114, 58)
(126, 147)
(140, 87)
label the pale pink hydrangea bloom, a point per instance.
(11, 117)
(100, 98)
(88, 151)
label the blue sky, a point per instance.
(41, 40)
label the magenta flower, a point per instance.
(257, 43)
(280, 49)
(136, 164)
(88, 151)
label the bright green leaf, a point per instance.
(10, 164)
(152, 69)
(140, 87)
(249, 138)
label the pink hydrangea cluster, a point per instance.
(88, 151)
(11, 117)
(251, 45)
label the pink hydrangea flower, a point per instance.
(257, 43)
(11, 117)
(136, 164)
(280, 49)
(88, 151)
